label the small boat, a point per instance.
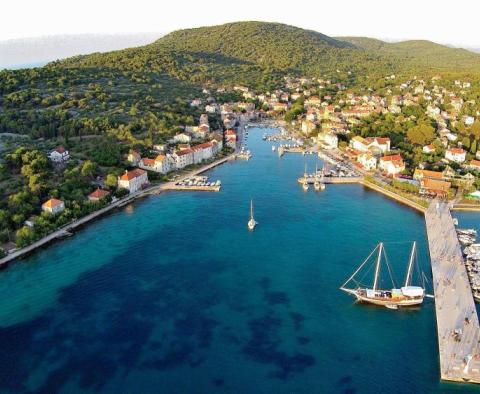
(251, 223)
(407, 295)
(318, 186)
(305, 185)
(273, 148)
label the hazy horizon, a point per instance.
(28, 52)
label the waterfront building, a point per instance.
(183, 158)
(53, 206)
(133, 180)
(474, 165)
(434, 187)
(367, 160)
(202, 152)
(231, 138)
(392, 164)
(159, 164)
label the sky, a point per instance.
(451, 22)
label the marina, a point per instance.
(197, 183)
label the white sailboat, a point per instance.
(305, 182)
(317, 185)
(407, 295)
(251, 223)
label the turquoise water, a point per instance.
(174, 295)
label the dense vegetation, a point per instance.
(420, 53)
(101, 105)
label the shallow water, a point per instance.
(174, 295)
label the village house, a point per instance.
(53, 206)
(421, 174)
(134, 158)
(368, 161)
(474, 165)
(455, 154)
(231, 138)
(308, 126)
(159, 164)
(183, 158)
(392, 165)
(202, 152)
(428, 149)
(280, 107)
(97, 195)
(182, 138)
(59, 155)
(434, 187)
(329, 139)
(379, 144)
(133, 180)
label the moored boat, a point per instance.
(251, 223)
(393, 298)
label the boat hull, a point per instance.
(389, 302)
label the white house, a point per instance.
(182, 138)
(134, 158)
(455, 154)
(159, 164)
(367, 160)
(202, 152)
(428, 149)
(231, 138)
(53, 206)
(183, 158)
(59, 155)
(392, 164)
(365, 144)
(133, 180)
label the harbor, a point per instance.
(293, 320)
(458, 328)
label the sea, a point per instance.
(172, 294)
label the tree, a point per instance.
(421, 134)
(88, 169)
(111, 181)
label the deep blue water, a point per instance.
(174, 295)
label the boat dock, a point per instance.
(457, 320)
(202, 188)
(331, 179)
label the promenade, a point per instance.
(67, 230)
(457, 321)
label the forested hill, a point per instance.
(240, 50)
(420, 53)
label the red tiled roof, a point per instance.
(53, 202)
(392, 158)
(98, 194)
(60, 149)
(184, 152)
(457, 151)
(148, 162)
(129, 175)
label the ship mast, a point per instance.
(377, 266)
(305, 173)
(408, 277)
(358, 269)
(251, 209)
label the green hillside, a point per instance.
(420, 53)
(242, 51)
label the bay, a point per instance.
(174, 295)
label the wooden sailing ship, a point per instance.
(393, 298)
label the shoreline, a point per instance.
(69, 229)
